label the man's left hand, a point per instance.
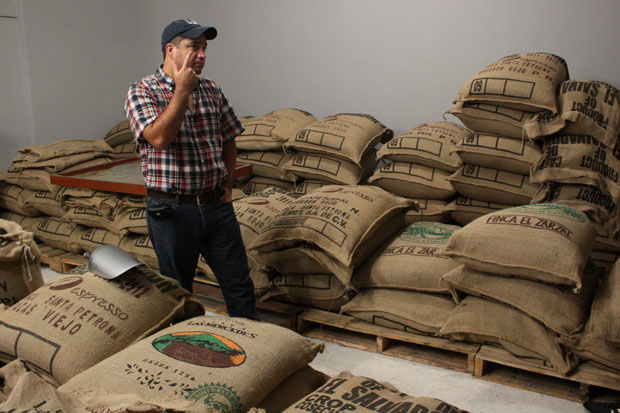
(227, 197)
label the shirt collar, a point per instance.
(164, 78)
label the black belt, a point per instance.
(198, 199)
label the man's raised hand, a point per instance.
(185, 78)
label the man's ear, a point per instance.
(170, 50)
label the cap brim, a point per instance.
(209, 32)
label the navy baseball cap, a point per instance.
(188, 29)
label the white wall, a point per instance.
(401, 61)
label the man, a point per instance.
(184, 130)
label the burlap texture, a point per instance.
(604, 261)
(93, 238)
(33, 179)
(586, 107)
(59, 233)
(25, 222)
(578, 159)
(124, 150)
(559, 309)
(119, 134)
(91, 218)
(141, 247)
(606, 308)
(106, 202)
(307, 186)
(499, 152)
(545, 242)
(526, 81)
(270, 131)
(307, 259)
(327, 168)
(487, 321)
(411, 180)
(347, 136)
(346, 222)
(428, 144)
(464, 210)
(492, 119)
(429, 210)
(266, 164)
(20, 263)
(409, 260)
(45, 202)
(260, 183)
(605, 241)
(229, 364)
(61, 163)
(323, 291)
(77, 320)
(394, 309)
(345, 392)
(15, 199)
(58, 149)
(493, 185)
(294, 388)
(131, 220)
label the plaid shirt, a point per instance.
(193, 162)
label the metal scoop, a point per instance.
(109, 261)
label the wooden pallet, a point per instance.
(60, 260)
(348, 331)
(499, 366)
(274, 312)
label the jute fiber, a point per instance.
(270, 131)
(93, 238)
(327, 168)
(44, 201)
(546, 242)
(499, 152)
(229, 364)
(464, 210)
(606, 308)
(59, 149)
(323, 291)
(428, 144)
(492, 119)
(348, 136)
(486, 321)
(25, 222)
(124, 150)
(411, 180)
(131, 220)
(559, 309)
(604, 261)
(308, 185)
(266, 164)
(410, 260)
(409, 311)
(20, 263)
(493, 185)
(345, 392)
(60, 234)
(260, 183)
(294, 388)
(14, 198)
(606, 241)
(91, 218)
(119, 134)
(429, 210)
(80, 319)
(586, 107)
(141, 247)
(305, 259)
(526, 81)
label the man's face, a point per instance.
(197, 47)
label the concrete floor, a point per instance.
(460, 389)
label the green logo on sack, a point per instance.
(218, 396)
(428, 233)
(553, 210)
(200, 348)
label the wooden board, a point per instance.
(59, 260)
(499, 366)
(351, 332)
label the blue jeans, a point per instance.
(213, 231)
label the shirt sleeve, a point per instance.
(141, 109)
(230, 123)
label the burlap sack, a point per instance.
(59, 233)
(307, 259)
(272, 130)
(44, 201)
(140, 246)
(493, 185)
(488, 322)
(124, 150)
(323, 291)
(260, 279)
(410, 260)
(428, 144)
(593, 201)
(131, 220)
(327, 168)
(33, 179)
(578, 159)
(605, 354)
(106, 202)
(557, 308)
(61, 163)
(604, 261)
(345, 392)
(307, 186)
(227, 364)
(545, 242)
(585, 108)
(25, 222)
(12, 197)
(93, 238)
(9, 376)
(499, 152)
(294, 388)
(266, 164)
(20, 263)
(90, 217)
(58, 149)
(77, 320)
(394, 309)
(429, 210)
(492, 119)
(411, 180)
(605, 241)
(346, 222)
(119, 134)
(260, 183)
(347, 136)
(464, 210)
(525, 81)
(606, 308)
